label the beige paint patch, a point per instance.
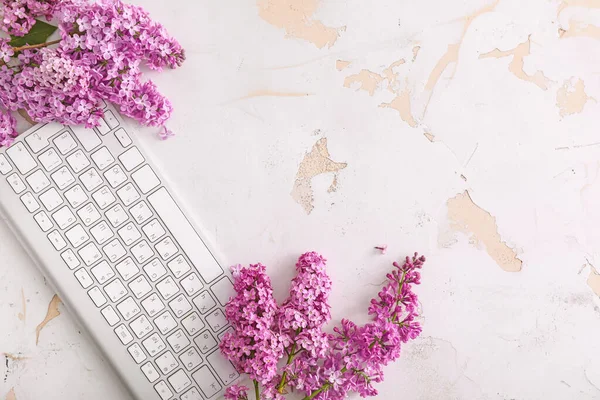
(52, 313)
(11, 394)
(340, 65)
(467, 217)
(401, 103)
(593, 281)
(366, 80)
(516, 65)
(579, 29)
(23, 313)
(295, 17)
(429, 136)
(391, 76)
(15, 357)
(415, 51)
(315, 163)
(571, 99)
(270, 93)
(333, 186)
(577, 3)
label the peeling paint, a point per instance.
(340, 65)
(429, 136)
(367, 81)
(315, 163)
(11, 394)
(593, 281)
(333, 186)
(52, 313)
(571, 99)
(579, 29)
(401, 103)
(270, 93)
(467, 217)
(415, 51)
(15, 357)
(23, 313)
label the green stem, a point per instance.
(282, 383)
(256, 390)
(323, 388)
(36, 46)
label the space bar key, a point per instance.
(185, 234)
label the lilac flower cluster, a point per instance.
(324, 366)
(102, 47)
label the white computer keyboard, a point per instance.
(104, 227)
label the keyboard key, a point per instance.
(103, 272)
(87, 137)
(222, 367)
(103, 197)
(153, 305)
(128, 194)
(91, 179)
(115, 176)
(57, 241)
(178, 341)
(38, 181)
(110, 315)
(179, 266)
(180, 305)
(127, 268)
(39, 139)
(50, 160)
(150, 372)
(114, 250)
(142, 251)
(165, 322)
(65, 142)
(166, 248)
(115, 290)
(123, 334)
(128, 308)
(163, 390)
(78, 161)
(89, 254)
(19, 155)
(190, 358)
(184, 233)
(216, 320)
(205, 342)
(153, 230)
(102, 127)
(76, 196)
(123, 137)
(207, 382)
(102, 158)
(84, 278)
(43, 221)
(30, 202)
(140, 287)
(129, 234)
(192, 324)
(137, 353)
(167, 362)
(167, 288)
(116, 216)
(192, 284)
(51, 199)
(62, 177)
(141, 326)
(179, 381)
(141, 212)
(154, 344)
(155, 270)
(89, 214)
(77, 236)
(101, 232)
(16, 183)
(70, 259)
(192, 394)
(145, 179)
(5, 166)
(111, 120)
(97, 297)
(131, 159)
(204, 302)
(64, 217)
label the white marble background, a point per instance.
(465, 130)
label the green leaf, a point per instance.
(38, 34)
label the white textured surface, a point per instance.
(488, 333)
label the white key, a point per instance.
(165, 322)
(87, 137)
(141, 326)
(62, 177)
(115, 290)
(207, 382)
(204, 302)
(185, 234)
(78, 161)
(38, 181)
(103, 197)
(205, 342)
(216, 320)
(5, 166)
(192, 394)
(128, 308)
(64, 217)
(150, 372)
(43, 221)
(179, 266)
(111, 120)
(131, 158)
(222, 367)
(114, 250)
(145, 179)
(155, 270)
(179, 381)
(19, 155)
(16, 183)
(153, 305)
(123, 137)
(101, 232)
(129, 233)
(128, 194)
(178, 341)
(90, 254)
(163, 390)
(167, 362)
(51, 199)
(76, 196)
(115, 176)
(97, 297)
(89, 214)
(154, 344)
(141, 212)
(102, 127)
(84, 278)
(180, 305)
(167, 288)
(57, 241)
(166, 248)
(142, 251)
(123, 334)
(127, 268)
(103, 272)
(77, 235)
(103, 158)
(192, 284)
(190, 358)
(153, 230)
(110, 315)
(30, 202)
(39, 139)
(137, 353)
(50, 160)
(70, 259)
(116, 216)
(91, 179)
(65, 142)
(140, 286)
(192, 323)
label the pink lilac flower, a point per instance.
(7, 128)
(236, 392)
